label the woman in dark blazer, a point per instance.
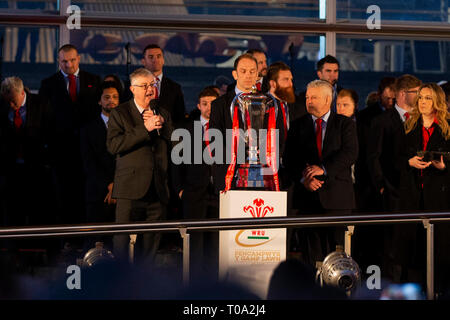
(426, 181)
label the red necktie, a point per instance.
(406, 116)
(156, 89)
(258, 86)
(17, 119)
(206, 134)
(72, 87)
(319, 136)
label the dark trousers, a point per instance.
(317, 242)
(204, 246)
(148, 209)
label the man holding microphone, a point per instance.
(139, 137)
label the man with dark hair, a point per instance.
(367, 198)
(139, 138)
(71, 93)
(98, 163)
(193, 184)
(261, 58)
(245, 73)
(168, 92)
(327, 70)
(261, 62)
(385, 141)
(279, 81)
(385, 164)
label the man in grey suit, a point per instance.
(139, 137)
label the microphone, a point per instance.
(154, 108)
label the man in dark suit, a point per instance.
(193, 183)
(366, 195)
(280, 85)
(386, 138)
(245, 74)
(319, 153)
(71, 94)
(385, 162)
(98, 163)
(168, 91)
(24, 167)
(139, 137)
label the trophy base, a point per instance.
(250, 177)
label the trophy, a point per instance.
(255, 109)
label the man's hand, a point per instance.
(312, 184)
(311, 171)
(151, 121)
(416, 162)
(108, 198)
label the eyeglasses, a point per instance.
(145, 86)
(412, 91)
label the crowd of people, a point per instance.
(91, 150)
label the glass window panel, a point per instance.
(373, 59)
(31, 6)
(29, 53)
(258, 8)
(402, 10)
(194, 60)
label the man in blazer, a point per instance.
(139, 137)
(386, 139)
(319, 153)
(245, 73)
(168, 91)
(367, 197)
(193, 183)
(71, 94)
(24, 174)
(98, 163)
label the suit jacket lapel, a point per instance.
(328, 133)
(61, 82)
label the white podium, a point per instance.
(249, 257)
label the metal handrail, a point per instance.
(183, 226)
(219, 224)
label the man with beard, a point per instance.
(279, 82)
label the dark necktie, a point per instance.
(156, 89)
(319, 136)
(72, 87)
(17, 119)
(258, 86)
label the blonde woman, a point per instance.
(426, 181)
(427, 129)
